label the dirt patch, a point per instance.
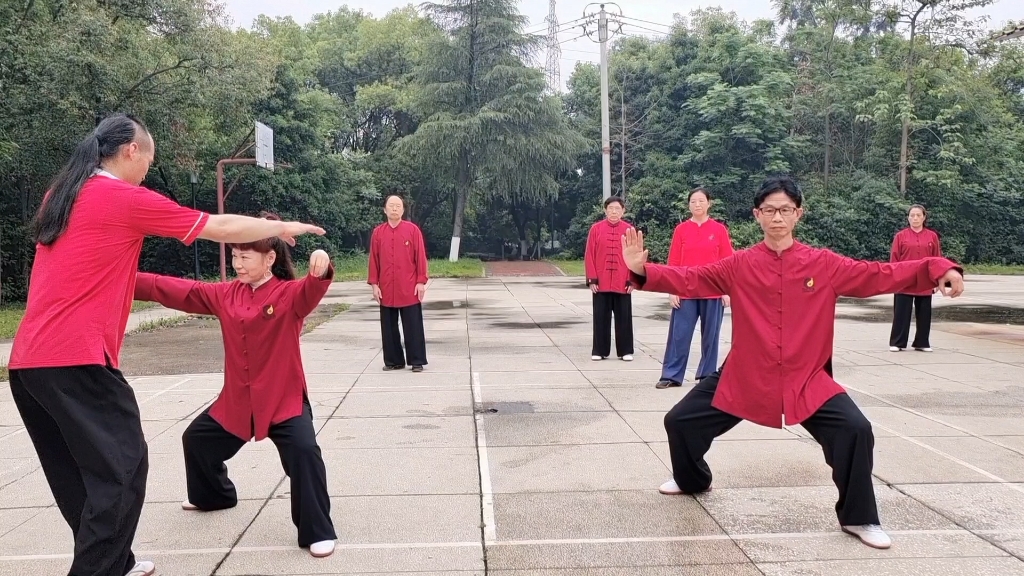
(190, 346)
(521, 268)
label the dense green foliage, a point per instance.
(445, 107)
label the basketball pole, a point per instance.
(220, 204)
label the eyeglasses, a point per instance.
(770, 211)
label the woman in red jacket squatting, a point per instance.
(784, 297)
(913, 243)
(608, 279)
(264, 392)
(699, 240)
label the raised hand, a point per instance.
(956, 284)
(319, 262)
(633, 251)
(293, 229)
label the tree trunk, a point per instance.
(905, 135)
(828, 142)
(461, 196)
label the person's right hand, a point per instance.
(293, 229)
(376, 293)
(593, 288)
(673, 301)
(633, 251)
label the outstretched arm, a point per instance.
(187, 296)
(709, 281)
(863, 279)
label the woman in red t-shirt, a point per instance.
(261, 315)
(695, 242)
(913, 243)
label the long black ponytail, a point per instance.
(51, 220)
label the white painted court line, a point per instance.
(486, 491)
(165, 390)
(988, 439)
(551, 542)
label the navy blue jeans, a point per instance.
(680, 333)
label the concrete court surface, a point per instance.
(514, 454)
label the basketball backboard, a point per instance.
(264, 146)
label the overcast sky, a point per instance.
(574, 49)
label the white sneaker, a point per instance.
(923, 349)
(870, 534)
(627, 358)
(895, 349)
(142, 569)
(186, 505)
(321, 549)
(595, 358)
(670, 488)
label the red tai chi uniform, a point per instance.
(264, 393)
(780, 365)
(78, 409)
(398, 262)
(605, 268)
(908, 245)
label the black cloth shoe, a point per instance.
(663, 383)
(387, 368)
(417, 368)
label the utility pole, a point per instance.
(601, 18)
(606, 151)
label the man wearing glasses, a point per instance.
(784, 297)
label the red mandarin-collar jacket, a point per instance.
(697, 244)
(783, 314)
(398, 262)
(603, 261)
(264, 382)
(909, 245)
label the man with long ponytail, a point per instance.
(78, 409)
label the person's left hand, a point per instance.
(956, 284)
(319, 262)
(629, 289)
(726, 301)
(421, 291)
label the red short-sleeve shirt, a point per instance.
(81, 287)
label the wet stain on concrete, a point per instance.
(506, 408)
(445, 304)
(421, 427)
(978, 313)
(541, 325)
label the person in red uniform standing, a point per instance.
(261, 316)
(398, 275)
(913, 243)
(608, 279)
(78, 409)
(699, 240)
(784, 296)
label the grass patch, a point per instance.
(151, 325)
(995, 269)
(353, 268)
(5, 376)
(570, 267)
(322, 314)
(138, 306)
(10, 318)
